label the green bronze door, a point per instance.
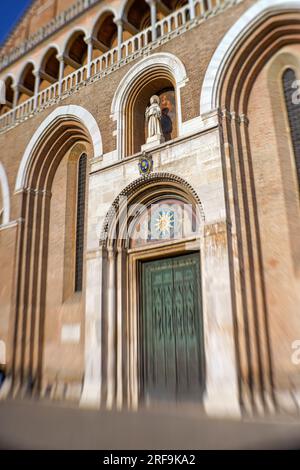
(172, 340)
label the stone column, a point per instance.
(37, 82)
(60, 58)
(153, 8)
(192, 9)
(16, 98)
(120, 27)
(89, 42)
(111, 328)
(120, 324)
(222, 396)
(91, 393)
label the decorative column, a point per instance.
(120, 321)
(192, 9)
(37, 82)
(111, 328)
(120, 27)
(89, 42)
(91, 393)
(153, 8)
(222, 392)
(60, 58)
(16, 98)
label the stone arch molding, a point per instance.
(53, 45)
(130, 190)
(77, 29)
(102, 11)
(162, 60)
(4, 188)
(77, 112)
(209, 99)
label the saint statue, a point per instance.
(153, 120)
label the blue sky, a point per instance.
(11, 11)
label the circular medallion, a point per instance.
(145, 164)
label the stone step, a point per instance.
(44, 425)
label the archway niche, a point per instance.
(9, 96)
(137, 13)
(49, 71)
(154, 83)
(105, 35)
(26, 83)
(75, 55)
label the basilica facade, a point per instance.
(149, 205)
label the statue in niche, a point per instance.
(153, 121)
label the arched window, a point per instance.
(26, 84)
(104, 34)
(49, 70)
(293, 110)
(138, 14)
(75, 54)
(81, 189)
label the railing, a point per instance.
(171, 25)
(47, 96)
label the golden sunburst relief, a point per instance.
(165, 222)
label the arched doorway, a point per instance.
(152, 330)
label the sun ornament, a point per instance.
(165, 222)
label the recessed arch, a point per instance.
(30, 64)
(137, 13)
(51, 47)
(132, 194)
(4, 188)
(210, 93)
(20, 73)
(162, 63)
(49, 68)
(76, 49)
(72, 111)
(75, 31)
(26, 83)
(104, 31)
(108, 11)
(105, 9)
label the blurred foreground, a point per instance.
(31, 425)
